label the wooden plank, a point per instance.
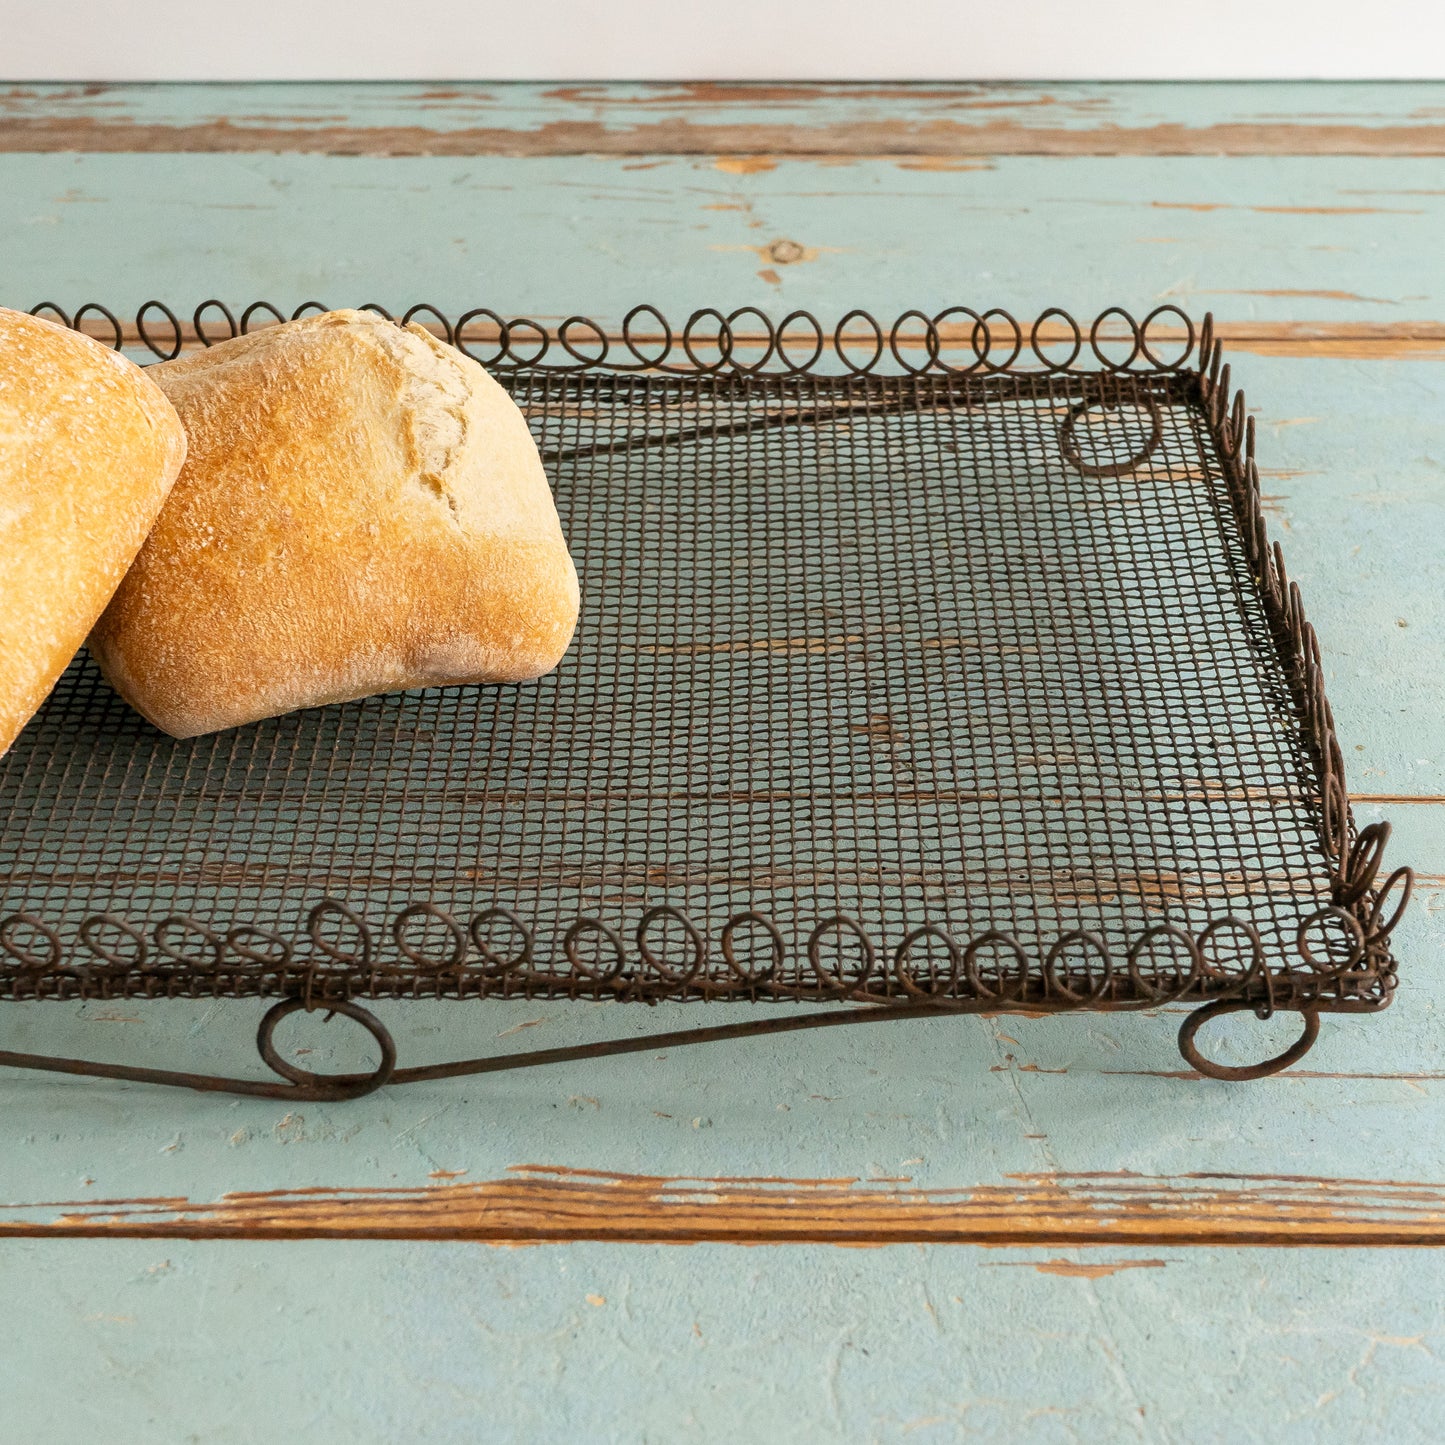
(760, 146)
(535, 1204)
(372, 1343)
(600, 237)
(754, 125)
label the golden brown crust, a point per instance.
(363, 510)
(89, 447)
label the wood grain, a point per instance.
(757, 126)
(537, 1203)
(1341, 340)
(895, 139)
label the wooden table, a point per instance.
(1068, 1238)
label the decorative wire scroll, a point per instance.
(743, 342)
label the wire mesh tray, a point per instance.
(938, 669)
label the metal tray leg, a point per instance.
(1244, 1072)
(304, 1086)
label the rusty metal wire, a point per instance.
(745, 342)
(901, 681)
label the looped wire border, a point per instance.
(1354, 855)
(996, 339)
(1078, 971)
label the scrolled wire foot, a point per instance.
(301, 1086)
(1243, 1073)
(324, 1087)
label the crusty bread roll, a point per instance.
(362, 510)
(89, 447)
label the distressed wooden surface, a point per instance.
(534, 1205)
(452, 1343)
(1308, 218)
(1283, 241)
(1346, 340)
(747, 122)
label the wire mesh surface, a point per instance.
(858, 656)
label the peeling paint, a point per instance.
(893, 137)
(537, 1203)
(1072, 1269)
(745, 165)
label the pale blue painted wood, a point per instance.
(1216, 1345)
(596, 235)
(1354, 456)
(371, 1344)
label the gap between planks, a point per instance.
(534, 1204)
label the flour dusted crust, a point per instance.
(89, 448)
(363, 510)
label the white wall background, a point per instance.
(720, 39)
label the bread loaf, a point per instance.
(89, 447)
(362, 510)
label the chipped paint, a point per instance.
(1284, 210)
(892, 138)
(744, 165)
(1308, 295)
(941, 163)
(1073, 1269)
(537, 1203)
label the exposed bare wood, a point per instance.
(893, 139)
(1343, 348)
(535, 1203)
(1074, 1269)
(1393, 800)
